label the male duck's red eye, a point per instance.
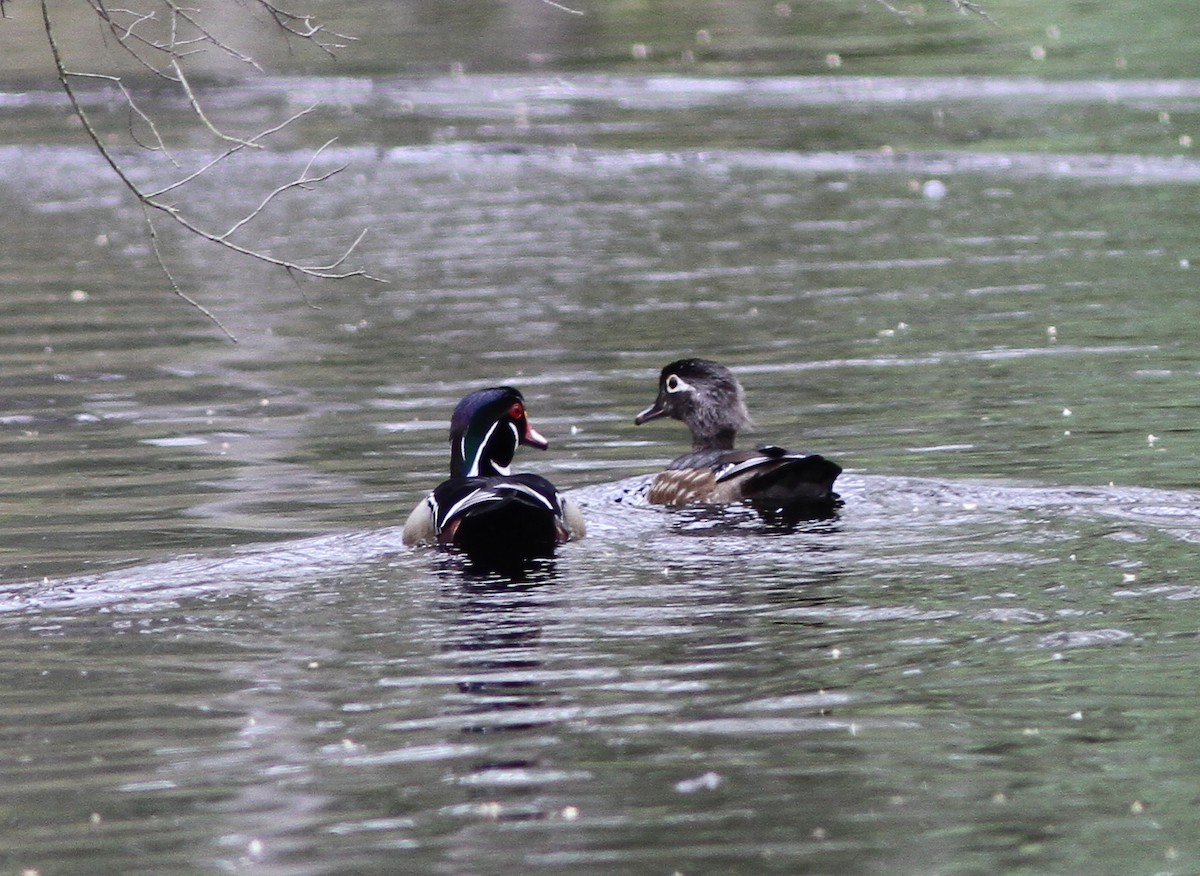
(517, 411)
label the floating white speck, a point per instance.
(708, 782)
(1066, 412)
(1052, 331)
(570, 813)
(1128, 577)
(940, 448)
(152, 785)
(489, 810)
(1077, 716)
(1185, 264)
(79, 296)
(179, 441)
(933, 190)
(1151, 440)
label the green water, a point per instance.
(218, 657)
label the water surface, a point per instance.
(218, 657)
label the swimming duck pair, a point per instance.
(488, 512)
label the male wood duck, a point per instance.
(707, 397)
(484, 510)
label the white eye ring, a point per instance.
(676, 384)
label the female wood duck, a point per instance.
(707, 397)
(483, 509)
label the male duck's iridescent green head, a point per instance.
(485, 430)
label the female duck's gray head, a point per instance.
(486, 428)
(706, 396)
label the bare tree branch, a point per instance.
(158, 40)
(228, 153)
(135, 111)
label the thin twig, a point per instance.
(302, 26)
(128, 40)
(134, 109)
(303, 181)
(162, 263)
(199, 110)
(563, 8)
(178, 13)
(902, 13)
(967, 7)
(233, 150)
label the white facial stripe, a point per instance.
(473, 471)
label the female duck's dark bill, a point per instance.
(651, 413)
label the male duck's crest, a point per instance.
(708, 398)
(485, 429)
